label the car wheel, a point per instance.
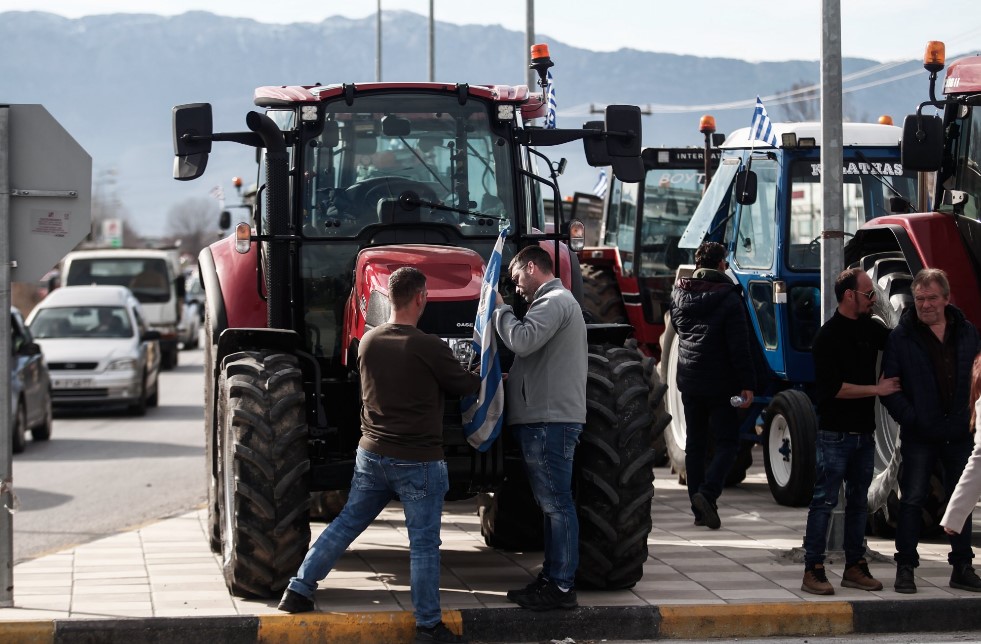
(43, 431)
(20, 428)
(138, 408)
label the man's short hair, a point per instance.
(846, 280)
(932, 276)
(534, 254)
(403, 285)
(710, 255)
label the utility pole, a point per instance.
(832, 205)
(432, 43)
(529, 41)
(378, 42)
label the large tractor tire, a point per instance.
(614, 471)
(265, 502)
(893, 282)
(676, 430)
(789, 437)
(601, 295)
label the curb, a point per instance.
(694, 622)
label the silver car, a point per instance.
(98, 347)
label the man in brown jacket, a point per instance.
(404, 373)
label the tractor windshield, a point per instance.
(407, 159)
(873, 186)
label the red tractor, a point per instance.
(360, 179)
(893, 248)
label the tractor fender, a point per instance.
(231, 287)
(925, 240)
(615, 334)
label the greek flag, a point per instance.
(602, 183)
(483, 412)
(761, 129)
(550, 100)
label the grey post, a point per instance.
(6, 431)
(833, 236)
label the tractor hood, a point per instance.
(453, 280)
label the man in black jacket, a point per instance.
(932, 351)
(714, 364)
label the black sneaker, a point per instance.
(530, 589)
(965, 578)
(294, 602)
(904, 579)
(437, 633)
(549, 597)
(710, 515)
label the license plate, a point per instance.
(73, 383)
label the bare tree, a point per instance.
(193, 221)
(803, 102)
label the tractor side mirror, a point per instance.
(718, 138)
(331, 135)
(595, 146)
(192, 130)
(745, 187)
(922, 148)
(225, 220)
(623, 142)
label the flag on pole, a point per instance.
(483, 412)
(550, 101)
(761, 129)
(602, 183)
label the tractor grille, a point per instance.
(449, 319)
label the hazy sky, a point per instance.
(747, 29)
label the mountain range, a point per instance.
(111, 81)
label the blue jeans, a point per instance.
(709, 418)
(919, 460)
(377, 480)
(848, 458)
(548, 449)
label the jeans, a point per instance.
(848, 458)
(918, 464)
(377, 480)
(548, 449)
(708, 417)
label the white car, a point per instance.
(98, 347)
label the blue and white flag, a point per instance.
(602, 183)
(483, 412)
(761, 129)
(550, 101)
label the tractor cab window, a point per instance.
(873, 186)
(671, 196)
(712, 219)
(757, 232)
(967, 162)
(420, 159)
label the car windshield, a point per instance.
(82, 322)
(424, 158)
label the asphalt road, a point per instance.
(104, 471)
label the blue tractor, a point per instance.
(764, 205)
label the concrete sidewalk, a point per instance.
(739, 581)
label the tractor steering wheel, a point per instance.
(366, 194)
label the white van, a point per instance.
(152, 275)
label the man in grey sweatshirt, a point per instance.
(546, 410)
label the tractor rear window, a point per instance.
(420, 159)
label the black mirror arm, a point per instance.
(246, 138)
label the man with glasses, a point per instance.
(546, 410)
(845, 351)
(932, 350)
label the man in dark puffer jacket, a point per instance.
(932, 351)
(714, 364)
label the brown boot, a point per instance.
(816, 581)
(858, 576)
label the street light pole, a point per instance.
(378, 42)
(529, 41)
(432, 43)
